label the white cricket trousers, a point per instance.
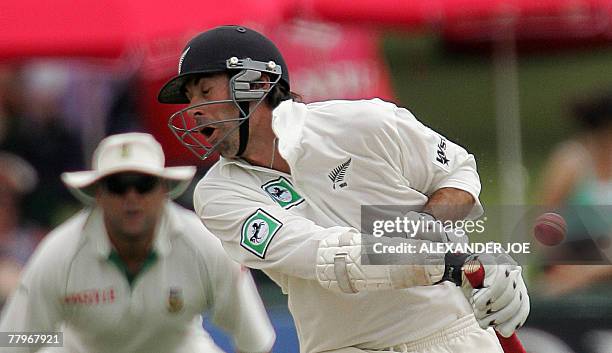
(462, 336)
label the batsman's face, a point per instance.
(132, 204)
(222, 115)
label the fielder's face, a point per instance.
(132, 204)
(211, 89)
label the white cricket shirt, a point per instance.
(73, 281)
(342, 154)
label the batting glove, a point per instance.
(502, 302)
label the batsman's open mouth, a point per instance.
(207, 131)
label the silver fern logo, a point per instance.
(338, 174)
(182, 59)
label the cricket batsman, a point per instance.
(286, 196)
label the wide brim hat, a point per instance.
(129, 152)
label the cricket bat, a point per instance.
(474, 272)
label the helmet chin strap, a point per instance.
(244, 129)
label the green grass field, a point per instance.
(453, 93)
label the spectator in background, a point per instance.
(578, 182)
(123, 110)
(18, 238)
(11, 103)
(32, 125)
(11, 109)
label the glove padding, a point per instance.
(503, 301)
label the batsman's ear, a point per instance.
(263, 82)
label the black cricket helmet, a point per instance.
(242, 53)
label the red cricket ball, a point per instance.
(550, 229)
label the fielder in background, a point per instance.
(285, 198)
(134, 271)
(18, 235)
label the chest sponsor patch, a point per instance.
(258, 231)
(91, 297)
(283, 193)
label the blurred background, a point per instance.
(526, 86)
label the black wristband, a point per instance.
(453, 264)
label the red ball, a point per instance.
(550, 229)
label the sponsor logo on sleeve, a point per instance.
(258, 231)
(283, 193)
(440, 158)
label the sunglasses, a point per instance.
(119, 184)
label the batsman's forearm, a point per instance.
(449, 204)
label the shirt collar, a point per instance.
(226, 162)
(287, 123)
(167, 228)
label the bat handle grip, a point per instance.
(474, 272)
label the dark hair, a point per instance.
(594, 111)
(280, 93)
